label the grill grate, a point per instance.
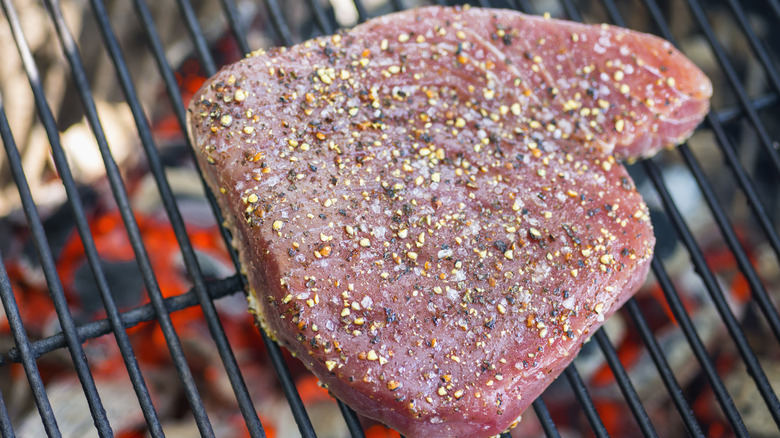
(748, 110)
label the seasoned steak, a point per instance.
(428, 207)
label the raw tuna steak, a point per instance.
(428, 207)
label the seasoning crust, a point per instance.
(429, 208)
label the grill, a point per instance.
(739, 197)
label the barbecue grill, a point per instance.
(740, 198)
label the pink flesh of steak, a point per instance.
(427, 208)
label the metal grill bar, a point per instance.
(775, 5)
(739, 89)
(75, 348)
(716, 293)
(319, 16)
(732, 160)
(583, 396)
(288, 386)
(548, 425)
(353, 422)
(758, 48)
(11, 307)
(745, 183)
(361, 11)
(45, 257)
(672, 386)
(688, 329)
(112, 311)
(629, 393)
(177, 222)
(130, 318)
(120, 195)
(197, 36)
(280, 24)
(759, 291)
(171, 87)
(6, 428)
(231, 12)
(731, 114)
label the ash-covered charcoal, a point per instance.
(427, 207)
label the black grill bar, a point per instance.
(689, 330)
(361, 11)
(739, 89)
(90, 250)
(759, 292)
(177, 222)
(19, 333)
(130, 318)
(583, 396)
(120, 195)
(197, 36)
(716, 293)
(319, 16)
(672, 386)
(775, 4)
(353, 422)
(171, 87)
(548, 425)
(758, 48)
(231, 12)
(279, 22)
(288, 386)
(6, 429)
(45, 256)
(629, 393)
(731, 114)
(745, 183)
(728, 149)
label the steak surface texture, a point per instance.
(429, 208)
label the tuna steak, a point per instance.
(428, 207)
